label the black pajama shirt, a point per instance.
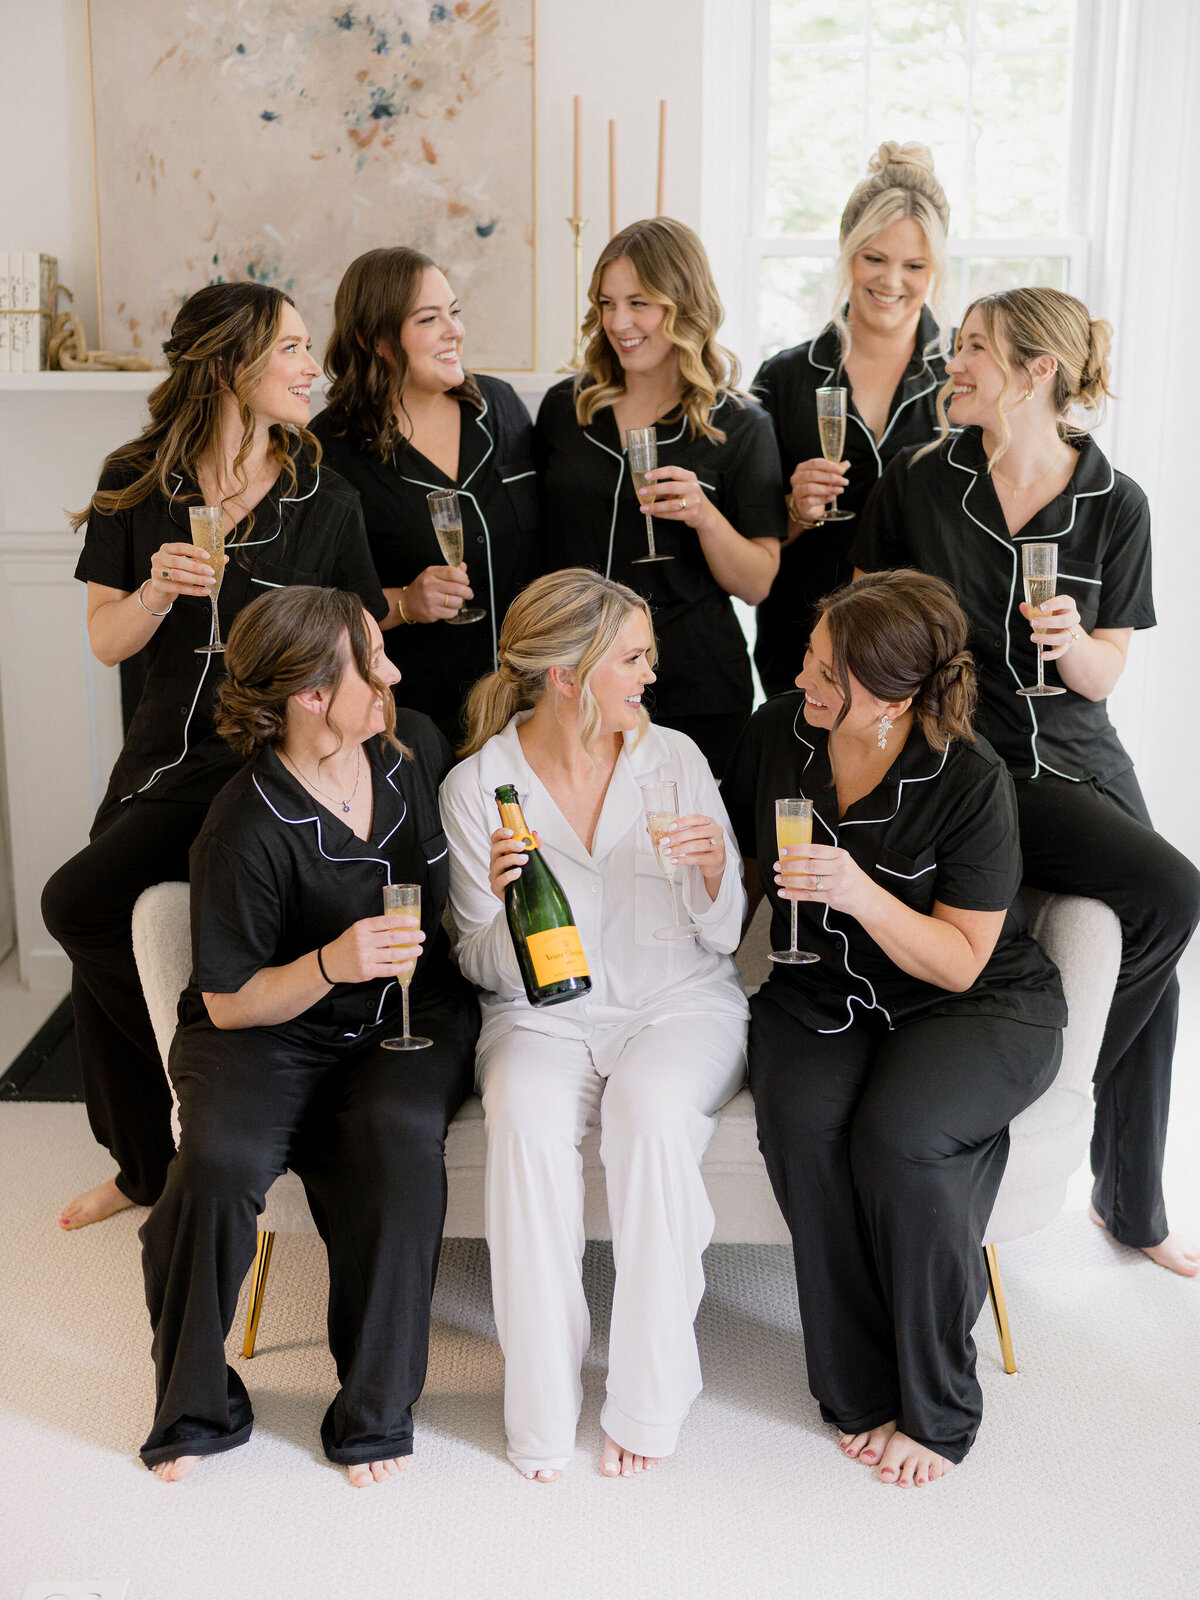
(274, 875)
(883, 1102)
(1084, 825)
(172, 764)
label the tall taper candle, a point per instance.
(577, 190)
(662, 158)
(612, 179)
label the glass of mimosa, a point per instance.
(1039, 573)
(793, 826)
(831, 426)
(208, 531)
(404, 897)
(447, 525)
(661, 801)
(641, 445)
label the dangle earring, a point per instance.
(885, 727)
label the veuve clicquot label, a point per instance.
(545, 938)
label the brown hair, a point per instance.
(903, 635)
(221, 340)
(285, 642)
(566, 619)
(672, 270)
(377, 293)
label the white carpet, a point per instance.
(1083, 1483)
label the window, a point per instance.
(988, 85)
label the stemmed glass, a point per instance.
(404, 897)
(447, 524)
(661, 802)
(1039, 570)
(208, 531)
(641, 444)
(831, 425)
(793, 826)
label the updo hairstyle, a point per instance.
(903, 635)
(284, 643)
(900, 183)
(566, 619)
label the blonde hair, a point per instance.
(1042, 322)
(672, 270)
(566, 619)
(900, 184)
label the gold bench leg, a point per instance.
(258, 1287)
(999, 1309)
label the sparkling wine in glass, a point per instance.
(641, 445)
(661, 801)
(831, 425)
(404, 897)
(793, 826)
(1039, 571)
(208, 531)
(447, 524)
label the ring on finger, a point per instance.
(166, 572)
(820, 884)
(682, 503)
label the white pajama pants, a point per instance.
(657, 1112)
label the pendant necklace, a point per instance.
(324, 793)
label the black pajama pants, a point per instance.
(1097, 840)
(88, 907)
(885, 1151)
(365, 1129)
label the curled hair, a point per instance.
(286, 642)
(566, 619)
(672, 270)
(378, 291)
(1037, 322)
(900, 183)
(903, 636)
(221, 341)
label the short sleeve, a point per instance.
(979, 850)
(753, 486)
(880, 543)
(236, 917)
(109, 555)
(739, 787)
(1126, 597)
(353, 567)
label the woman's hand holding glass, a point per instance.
(675, 494)
(698, 841)
(814, 485)
(827, 875)
(375, 947)
(435, 595)
(1056, 625)
(176, 569)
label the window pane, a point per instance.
(816, 21)
(921, 97)
(1024, 22)
(812, 158)
(927, 22)
(1022, 122)
(795, 300)
(989, 274)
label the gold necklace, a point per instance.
(308, 782)
(1022, 488)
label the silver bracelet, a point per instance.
(143, 604)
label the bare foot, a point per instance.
(364, 1473)
(172, 1471)
(94, 1206)
(907, 1463)
(544, 1475)
(1176, 1254)
(618, 1463)
(869, 1446)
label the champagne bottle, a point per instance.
(549, 953)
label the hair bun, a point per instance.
(897, 166)
(893, 154)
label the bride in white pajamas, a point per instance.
(651, 1054)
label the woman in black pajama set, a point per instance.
(882, 348)
(288, 520)
(278, 1060)
(717, 497)
(1020, 472)
(885, 1076)
(405, 417)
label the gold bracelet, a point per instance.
(794, 517)
(404, 616)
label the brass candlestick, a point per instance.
(578, 224)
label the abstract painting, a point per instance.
(279, 139)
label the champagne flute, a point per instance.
(447, 524)
(1039, 570)
(208, 531)
(831, 425)
(641, 445)
(404, 897)
(661, 802)
(793, 825)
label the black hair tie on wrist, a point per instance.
(321, 964)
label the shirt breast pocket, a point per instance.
(437, 861)
(521, 487)
(651, 900)
(1082, 581)
(911, 879)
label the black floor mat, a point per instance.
(48, 1067)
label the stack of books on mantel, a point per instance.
(27, 281)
